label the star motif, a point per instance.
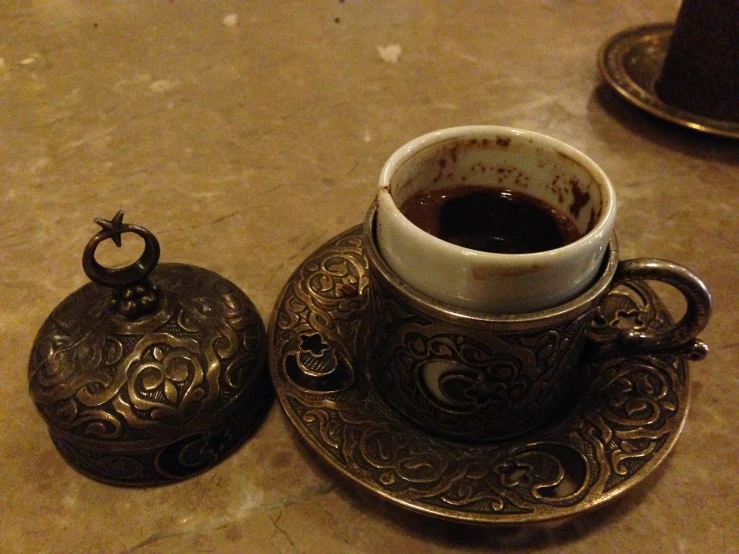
(515, 474)
(113, 226)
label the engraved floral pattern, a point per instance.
(629, 417)
(168, 383)
(321, 304)
(97, 376)
(493, 388)
(637, 392)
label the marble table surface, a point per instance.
(245, 135)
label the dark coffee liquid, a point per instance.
(490, 219)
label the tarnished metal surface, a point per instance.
(155, 382)
(619, 429)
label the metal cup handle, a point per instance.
(680, 337)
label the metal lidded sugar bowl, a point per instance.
(156, 380)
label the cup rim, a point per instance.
(603, 225)
(491, 321)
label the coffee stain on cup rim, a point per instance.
(481, 272)
(580, 198)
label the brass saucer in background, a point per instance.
(631, 62)
(623, 426)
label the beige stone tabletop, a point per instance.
(245, 135)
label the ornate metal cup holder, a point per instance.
(627, 419)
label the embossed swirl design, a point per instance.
(101, 377)
(316, 327)
(624, 424)
(466, 385)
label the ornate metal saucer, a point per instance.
(625, 423)
(631, 62)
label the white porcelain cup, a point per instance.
(502, 158)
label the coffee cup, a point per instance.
(549, 173)
(486, 359)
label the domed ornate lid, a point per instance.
(156, 380)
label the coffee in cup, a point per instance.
(490, 219)
(537, 215)
(476, 345)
